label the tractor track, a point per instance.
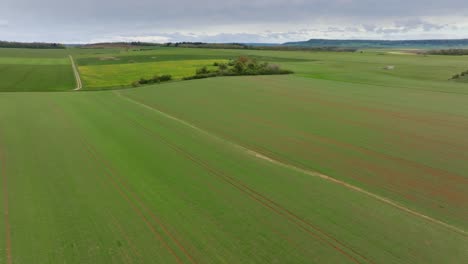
(79, 84)
(124, 190)
(295, 168)
(261, 199)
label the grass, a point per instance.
(157, 174)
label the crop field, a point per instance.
(122, 68)
(341, 162)
(41, 71)
(115, 75)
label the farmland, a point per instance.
(37, 71)
(115, 75)
(341, 162)
(122, 68)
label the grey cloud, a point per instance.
(92, 19)
(232, 11)
(416, 23)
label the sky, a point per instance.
(246, 21)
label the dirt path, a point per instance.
(79, 85)
(295, 168)
(9, 258)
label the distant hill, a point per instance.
(103, 45)
(417, 44)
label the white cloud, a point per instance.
(155, 39)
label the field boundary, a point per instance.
(79, 84)
(261, 156)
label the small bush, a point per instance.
(155, 79)
(203, 70)
(201, 76)
(165, 78)
(143, 81)
(222, 66)
(463, 75)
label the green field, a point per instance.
(35, 71)
(122, 68)
(341, 162)
(115, 75)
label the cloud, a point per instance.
(3, 23)
(155, 39)
(248, 20)
(417, 23)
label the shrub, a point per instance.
(165, 78)
(203, 70)
(451, 52)
(155, 79)
(222, 66)
(201, 76)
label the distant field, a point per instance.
(115, 75)
(33, 53)
(120, 69)
(341, 162)
(133, 59)
(34, 71)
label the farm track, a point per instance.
(295, 168)
(123, 189)
(260, 198)
(9, 258)
(79, 84)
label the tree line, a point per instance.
(31, 45)
(254, 47)
(452, 52)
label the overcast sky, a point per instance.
(81, 21)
